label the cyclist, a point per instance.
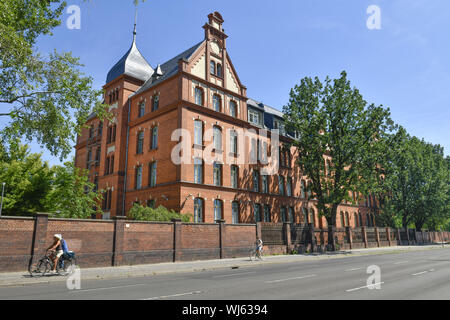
(57, 250)
(259, 247)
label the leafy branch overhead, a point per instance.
(44, 97)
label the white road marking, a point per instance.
(354, 269)
(174, 295)
(423, 272)
(107, 288)
(296, 278)
(368, 286)
(400, 262)
(233, 274)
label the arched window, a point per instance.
(217, 138)
(217, 103)
(198, 170)
(138, 177)
(141, 109)
(305, 216)
(198, 210)
(347, 219)
(155, 105)
(217, 174)
(154, 138)
(152, 174)
(233, 142)
(198, 132)
(235, 212)
(219, 70)
(312, 217)
(199, 96)
(342, 219)
(257, 212)
(233, 109)
(140, 143)
(302, 189)
(355, 216)
(218, 210)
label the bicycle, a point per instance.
(255, 253)
(66, 265)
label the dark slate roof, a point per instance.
(132, 64)
(168, 68)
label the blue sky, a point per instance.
(273, 44)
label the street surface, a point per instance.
(408, 275)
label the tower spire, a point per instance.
(135, 23)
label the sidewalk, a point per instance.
(23, 278)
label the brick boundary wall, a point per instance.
(102, 243)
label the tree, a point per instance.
(72, 195)
(31, 185)
(333, 121)
(417, 182)
(141, 213)
(47, 98)
(27, 180)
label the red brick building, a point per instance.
(134, 156)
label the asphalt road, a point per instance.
(409, 275)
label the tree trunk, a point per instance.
(332, 227)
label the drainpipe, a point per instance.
(126, 159)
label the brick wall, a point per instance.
(116, 242)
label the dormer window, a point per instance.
(254, 117)
(277, 124)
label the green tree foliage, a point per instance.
(141, 213)
(72, 195)
(417, 183)
(47, 98)
(32, 186)
(333, 119)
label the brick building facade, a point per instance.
(198, 91)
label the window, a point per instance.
(140, 143)
(355, 217)
(219, 70)
(342, 220)
(111, 135)
(141, 109)
(155, 104)
(233, 109)
(267, 217)
(347, 219)
(302, 189)
(256, 180)
(199, 96)
(198, 170)
(233, 142)
(265, 184)
(312, 218)
(305, 215)
(212, 67)
(253, 116)
(283, 214)
(152, 174)
(98, 153)
(257, 212)
(107, 166)
(154, 138)
(281, 185)
(100, 128)
(235, 212)
(360, 219)
(198, 132)
(198, 210)
(106, 205)
(289, 187)
(277, 124)
(91, 131)
(139, 177)
(234, 176)
(217, 174)
(217, 103)
(217, 138)
(291, 215)
(218, 210)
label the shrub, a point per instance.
(162, 214)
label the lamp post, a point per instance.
(1, 203)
